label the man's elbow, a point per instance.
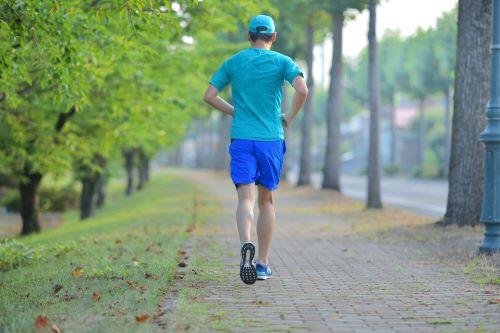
(207, 98)
(303, 92)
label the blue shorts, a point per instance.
(258, 162)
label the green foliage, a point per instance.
(14, 254)
(419, 65)
(126, 69)
(54, 199)
(422, 64)
(444, 48)
(392, 53)
(435, 144)
(430, 168)
(391, 170)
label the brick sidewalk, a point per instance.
(330, 279)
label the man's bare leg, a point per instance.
(244, 212)
(265, 223)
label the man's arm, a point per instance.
(211, 97)
(299, 99)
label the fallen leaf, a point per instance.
(135, 285)
(135, 262)
(77, 272)
(150, 276)
(130, 283)
(56, 288)
(259, 302)
(494, 301)
(151, 248)
(182, 252)
(182, 263)
(191, 228)
(68, 298)
(55, 329)
(120, 313)
(216, 318)
(118, 241)
(96, 296)
(141, 318)
(41, 321)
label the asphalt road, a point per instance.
(422, 196)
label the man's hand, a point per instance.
(284, 123)
(211, 97)
(299, 99)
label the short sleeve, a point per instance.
(221, 78)
(291, 70)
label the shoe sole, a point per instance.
(248, 273)
(262, 278)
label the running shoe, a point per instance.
(248, 273)
(263, 272)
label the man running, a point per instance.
(257, 135)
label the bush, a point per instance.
(14, 254)
(12, 201)
(428, 171)
(51, 199)
(417, 171)
(59, 199)
(391, 170)
(361, 172)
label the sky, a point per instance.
(403, 15)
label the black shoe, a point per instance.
(248, 272)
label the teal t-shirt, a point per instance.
(257, 77)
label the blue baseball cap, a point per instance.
(261, 24)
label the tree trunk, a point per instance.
(87, 196)
(447, 133)
(307, 118)
(101, 183)
(331, 171)
(129, 155)
(30, 202)
(200, 144)
(147, 168)
(469, 119)
(178, 157)
(421, 136)
(373, 199)
(143, 169)
(210, 150)
(394, 142)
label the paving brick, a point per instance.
(343, 282)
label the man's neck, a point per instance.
(261, 45)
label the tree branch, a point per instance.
(63, 118)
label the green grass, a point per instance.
(439, 321)
(127, 254)
(482, 270)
